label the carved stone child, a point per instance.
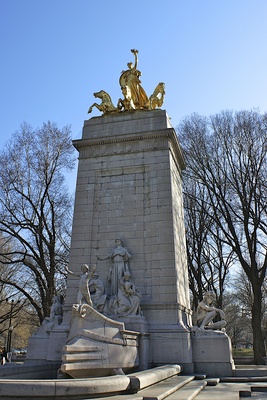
(206, 312)
(83, 295)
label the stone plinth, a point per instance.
(212, 353)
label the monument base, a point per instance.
(171, 345)
(37, 347)
(46, 343)
(138, 323)
(212, 353)
(98, 345)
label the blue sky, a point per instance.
(211, 54)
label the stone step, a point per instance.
(189, 391)
(80, 349)
(213, 381)
(251, 373)
(259, 388)
(82, 357)
(136, 396)
(223, 391)
(165, 388)
(158, 391)
(243, 379)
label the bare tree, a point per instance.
(35, 212)
(243, 294)
(238, 320)
(227, 154)
(209, 259)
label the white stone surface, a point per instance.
(212, 353)
(129, 187)
(141, 380)
(96, 345)
(51, 389)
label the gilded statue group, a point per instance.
(134, 96)
(124, 298)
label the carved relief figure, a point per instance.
(206, 313)
(83, 295)
(56, 315)
(56, 308)
(56, 312)
(128, 299)
(97, 292)
(119, 257)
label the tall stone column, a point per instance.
(129, 187)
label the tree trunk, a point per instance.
(258, 341)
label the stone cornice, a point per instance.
(154, 140)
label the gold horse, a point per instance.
(157, 97)
(106, 106)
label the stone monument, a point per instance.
(129, 187)
(128, 222)
(210, 344)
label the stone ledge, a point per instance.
(126, 123)
(147, 378)
(81, 388)
(30, 370)
(62, 388)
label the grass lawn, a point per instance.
(242, 352)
